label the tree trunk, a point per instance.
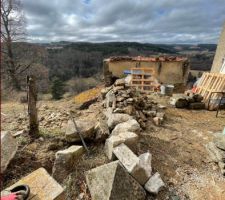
(32, 110)
(12, 68)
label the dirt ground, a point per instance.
(178, 149)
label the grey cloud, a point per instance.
(161, 21)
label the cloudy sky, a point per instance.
(152, 21)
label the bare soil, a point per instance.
(178, 149)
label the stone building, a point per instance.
(168, 70)
(219, 59)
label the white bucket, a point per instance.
(169, 90)
(163, 89)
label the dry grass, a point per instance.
(87, 95)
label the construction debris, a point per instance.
(8, 149)
(189, 100)
(128, 138)
(122, 100)
(111, 181)
(138, 167)
(42, 186)
(128, 126)
(84, 127)
(154, 184)
(216, 151)
(64, 162)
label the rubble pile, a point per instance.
(128, 178)
(188, 100)
(119, 99)
(216, 151)
(126, 111)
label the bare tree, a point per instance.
(12, 31)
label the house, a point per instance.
(167, 69)
(219, 59)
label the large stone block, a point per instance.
(42, 186)
(128, 138)
(128, 159)
(8, 149)
(129, 126)
(117, 118)
(65, 160)
(85, 127)
(154, 184)
(220, 141)
(138, 167)
(112, 182)
(144, 169)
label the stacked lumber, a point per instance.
(211, 86)
(143, 79)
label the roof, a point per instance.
(147, 59)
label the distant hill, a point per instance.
(84, 59)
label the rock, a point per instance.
(8, 149)
(154, 184)
(112, 182)
(160, 115)
(42, 186)
(85, 127)
(197, 105)
(119, 99)
(120, 82)
(151, 113)
(179, 101)
(18, 133)
(108, 112)
(142, 116)
(161, 106)
(104, 91)
(145, 161)
(118, 88)
(129, 126)
(216, 153)
(137, 167)
(130, 110)
(157, 121)
(220, 142)
(128, 138)
(117, 118)
(111, 99)
(41, 139)
(102, 131)
(64, 162)
(118, 110)
(130, 100)
(197, 97)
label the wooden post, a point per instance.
(32, 110)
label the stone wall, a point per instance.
(220, 52)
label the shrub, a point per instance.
(57, 88)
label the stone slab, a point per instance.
(8, 149)
(42, 185)
(112, 182)
(65, 160)
(128, 138)
(154, 184)
(128, 126)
